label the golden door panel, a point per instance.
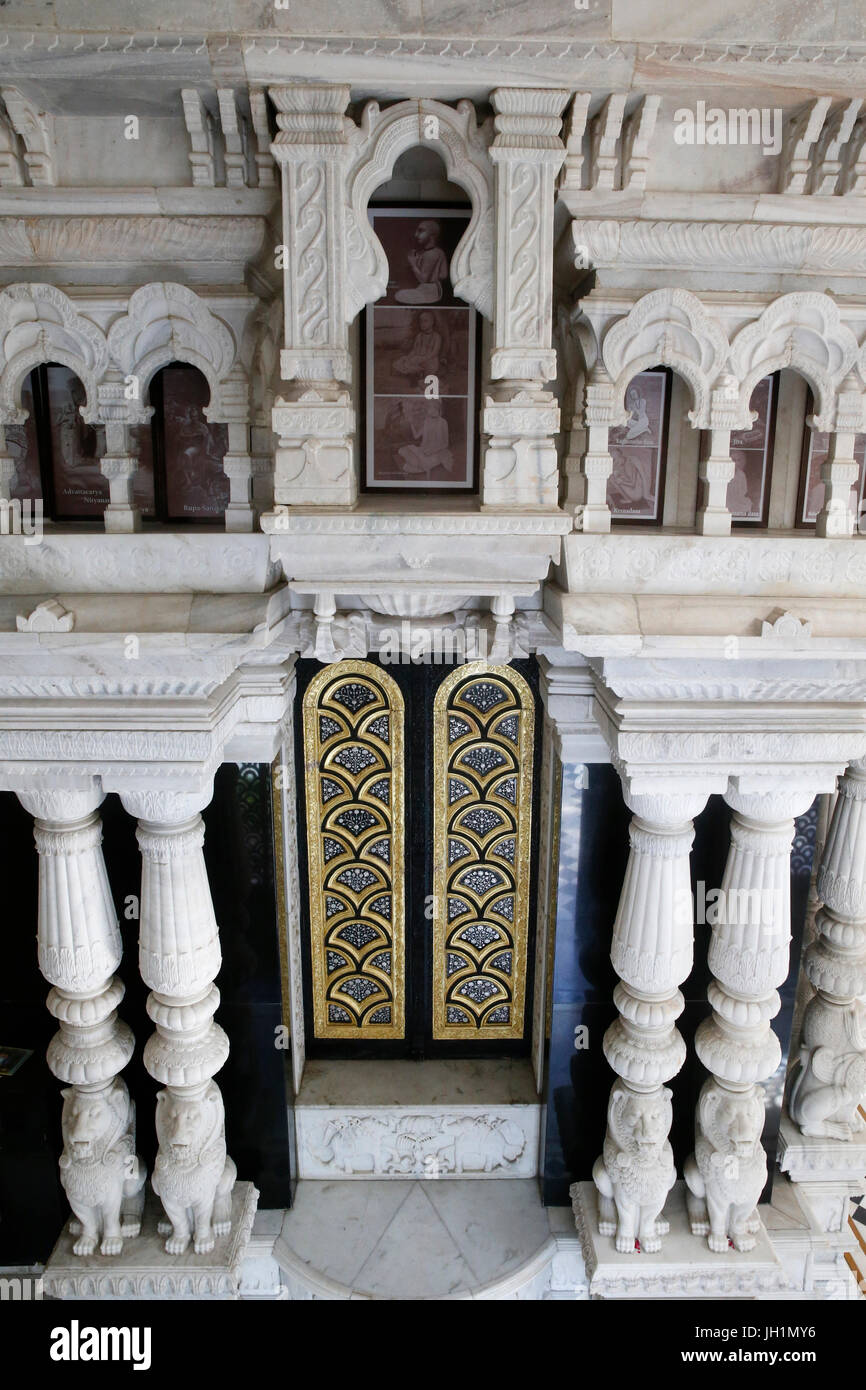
(483, 750)
(353, 747)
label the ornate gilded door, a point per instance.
(417, 857)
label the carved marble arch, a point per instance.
(453, 132)
(165, 323)
(39, 323)
(673, 328)
(803, 331)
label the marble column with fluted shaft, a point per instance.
(179, 957)
(79, 948)
(652, 954)
(829, 1086)
(749, 960)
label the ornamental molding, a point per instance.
(39, 323)
(167, 322)
(50, 616)
(136, 564)
(806, 568)
(266, 51)
(670, 326)
(552, 523)
(802, 330)
(49, 239)
(463, 145)
(712, 246)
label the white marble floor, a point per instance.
(418, 1240)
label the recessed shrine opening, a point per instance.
(180, 474)
(420, 345)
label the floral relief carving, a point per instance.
(670, 326)
(802, 330)
(166, 322)
(381, 138)
(39, 323)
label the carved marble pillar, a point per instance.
(314, 421)
(829, 1086)
(599, 414)
(7, 468)
(841, 470)
(179, 956)
(717, 469)
(748, 957)
(652, 955)
(118, 412)
(520, 418)
(238, 468)
(79, 948)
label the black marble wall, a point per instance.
(254, 1083)
(593, 856)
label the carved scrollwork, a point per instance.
(166, 322)
(669, 326)
(39, 323)
(802, 330)
(382, 137)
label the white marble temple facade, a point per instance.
(199, 193)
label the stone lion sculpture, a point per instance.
(830, 1083)
(101, 1173)
(193, 1175)
(636, 1170)
(728, 1169)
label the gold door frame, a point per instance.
(484, 721)
(353, 718)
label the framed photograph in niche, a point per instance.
(80, 490)
(635, 488)
(22, 445)
(748, 495)
(816, 446)
(420, 359)
(188, 451)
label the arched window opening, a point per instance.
(180, 476)
(816, 447)
(635, 489)
(55, 451)
(748, 496)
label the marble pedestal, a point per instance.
(145, 1271)
(827, 1173)
(685, 1266)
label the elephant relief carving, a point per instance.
(101, 1173)
(726, 1173)
(193, 1175)
(636, 1170)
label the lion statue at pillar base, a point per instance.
(101, 1173)
(193, 1175)
(830, 1081)
(636, 1170)
(725, 1175)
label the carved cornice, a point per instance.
(711, 246)
(163, 239)
(559, 54)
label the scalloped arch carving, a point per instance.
(670, 326)
(801, 330)
(166, 322)
(383, 136)
(39, 323)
